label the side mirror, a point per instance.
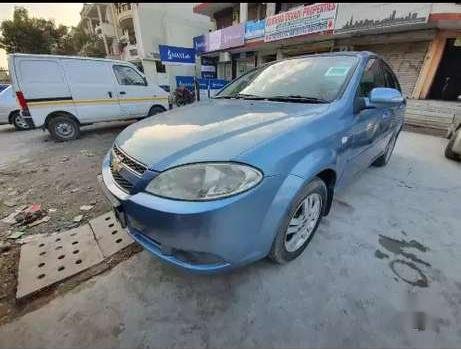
(385, 95)
(145, 80)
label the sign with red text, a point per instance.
(301, 21)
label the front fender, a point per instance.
(315, 162)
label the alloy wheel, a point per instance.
(303, 222)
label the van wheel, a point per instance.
(64, 128)
(18, 121)
(155, 110)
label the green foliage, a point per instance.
(94, 47)
(24, 34)
(29, 35)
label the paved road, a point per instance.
(24, 145)
(348, 289)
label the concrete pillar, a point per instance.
(279, 54)
(137, 30)
(89, 25)
(270, 9)
(106, 47)
(243, 12)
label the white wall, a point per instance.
(445, 7)
(168, 24)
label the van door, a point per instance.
(135, 95)
(93, 89)
(43, 84)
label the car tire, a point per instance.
(449, 154)
(383, 160)
(284, 248)
(18, 121)
(155, 110)
(64, 128)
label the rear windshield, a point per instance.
(3, 87)
(320, 77)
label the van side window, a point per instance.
(373, 76)
(128, 76)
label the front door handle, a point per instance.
(122, 92)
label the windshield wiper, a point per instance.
(242, 96)
(297, 98)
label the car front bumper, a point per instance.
(205, 236)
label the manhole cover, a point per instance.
(46, 260)
(110, 235)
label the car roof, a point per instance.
(44, 56)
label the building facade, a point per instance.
(134, 31)
(421, 41)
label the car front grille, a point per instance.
(130, 164)
(124, 184)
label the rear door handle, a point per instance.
(122, 92)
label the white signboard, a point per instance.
(301, 21)
(368, 16)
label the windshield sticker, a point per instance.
(337, 71)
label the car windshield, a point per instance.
(316, 79)
(3, 87)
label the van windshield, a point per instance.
(316, 79)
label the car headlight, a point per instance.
(204, 181)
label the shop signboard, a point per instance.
(208, 75)
(200, 43)
(304, 20)
(254, 29)
(232, 36)
(208, 71)
(175, 55)
(371, 16)
(214, 85)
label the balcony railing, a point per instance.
(120, 8)
(106, 29)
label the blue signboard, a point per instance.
(217, 84)
(188, 82)
(176, 55)
(208, 75)
(200, 44)
(254, 29)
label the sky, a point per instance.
(62, 13)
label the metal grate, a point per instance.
(130, 163)
(44, 260)
(111, 237)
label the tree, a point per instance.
(86, 44)
(94, 47)
(24, 34)
(30, 35)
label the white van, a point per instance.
(62, 93)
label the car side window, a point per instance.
(391, 80)
(128, 76)
(373, 76)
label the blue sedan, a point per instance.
(250, 173)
